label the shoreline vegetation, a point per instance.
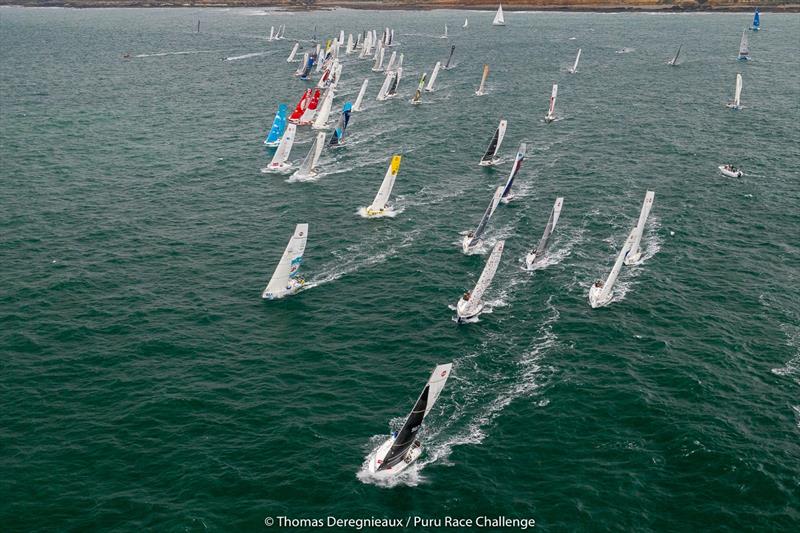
(508, 5)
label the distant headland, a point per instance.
(508, 5)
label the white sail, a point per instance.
(574, 68)
(282, 283)
(321, 122)
(737, 98)
(498, 17)
(385, 87)
(432, 79)
(634, 254)
(472, 306)
(285, 147)
(744, 46)
(551, 111)
(445, 32)
(436, 384)
(378, 66)
(308, 115)
(390, 64)
(309, 164)
(480, 91)
(341, 36)
(674, 60)
(466, 23)
(399, 63)
(357, 106)
(538, 253)
(271, 33)
(474, 237)
(350, 48)
(292, 53)
(378, 48)
(381, 200)
(398, 74)
(490, 156)
(391, 37)
(603, 295)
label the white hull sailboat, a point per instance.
(481, 88)
(466, 23)
(308, 168)
(601, 292)
(574, 68)
(403, 447)
(499, 20)
(736, 103)
(291, 59)
(380, 205)
(470, 305)
(744, 48)
(384, 91)
(551, 112)
(285, 281)
(537, 254)
(490, 157)
(635, 253)
(321, 122)
(429, 88)
(473, 238)
(280, 162)
(674, 61)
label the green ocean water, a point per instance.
(146, 386)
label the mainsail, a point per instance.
(432, 79)
(515, 169)
(289, 264)
(608, 286)
(475, 236)
(498, 17)
(574, 68)
(408, 433)
(278, 126)
(395, 82)
(639, 230)
(485, 75)
(674, 60)
(324, 111)
(292, 53)
(737, 98)
(548, 229)
(382, 198)
(551, 111)
(301, 106)
(338, 134)
(311, 110)
(285, 147)
(744, 46)
(418, 92)
(756, 21)
(484, 281)
(450, 57)
(494, 144)
(309, 164)
(357, 105)
(385, 87)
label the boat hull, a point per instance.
(633, 259)
(491, 162)
(549, 118)
(726, 172)
(293, 288)
(272, 144)
(376, 460)
(530, 260)
(461, 311)
(594, 297)
(465, 246)
(278, 167)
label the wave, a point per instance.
(247, 56)
(181, 53)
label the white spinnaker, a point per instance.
(382, 198)
(499, 20)
(605, 293)
(310, 162)
(357, 105)
(289, 263)
(486, 279)
(577, 58)
(639, 230)
(432, 79)
(553, 95)
(292, 53)
(324, 111)
(390, 64)
(385, 87)
(483, 79)
(737, 97)
(744, 45)
(285, 146)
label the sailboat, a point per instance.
(378, 66)
(466, 23)
(551, 113)
(756, 21)
(444, 36)
(498, 17)
(290, 59)
(278, 126)
(574, 68)
(403, 447)
(601, 292)
(390, 64)
(674, 61)
(449, 65)
(281, 35)
(736, 103)
(285, 281)
(507, 196)
(380, 205)
(383, 92)
(470, 305)
(308, 168)
(337, 139)
(480, 91)
(308, 66)
(308, 115)
(537, 254)
(635, 254)
(271, 33)
(357, 105)
(418, 93)
(301, 106)
(395, 82)
(490, 157)
(744, 48)
(473, 238)
(321, 122)
(429, 88)
(279, 160)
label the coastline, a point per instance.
(644, 6)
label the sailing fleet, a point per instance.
(403, 447)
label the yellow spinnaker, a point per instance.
(395, 164)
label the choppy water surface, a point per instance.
(146, 385)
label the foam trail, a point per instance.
(185, 52)
(247, 56)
